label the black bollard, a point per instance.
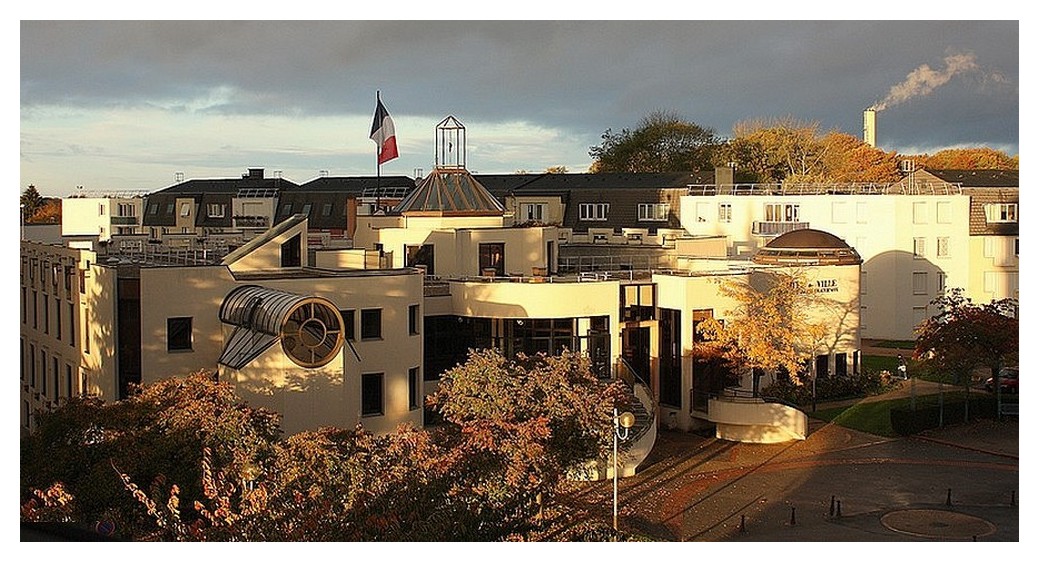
(948, 497)
(832, 498)
(793, 519)
(838, 508)
(743, 523)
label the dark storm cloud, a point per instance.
(579, 76)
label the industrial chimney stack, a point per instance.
(869, 126)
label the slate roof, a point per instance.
(979, 178)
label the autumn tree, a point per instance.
(662, 142)
(156, 438)
(773, 326)
(795, 151)
(964, 335)
(521, 425)
(979, 158)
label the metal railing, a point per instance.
(775, 228)
(905, 187)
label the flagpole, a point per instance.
(378, 165)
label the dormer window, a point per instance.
(1001, 212)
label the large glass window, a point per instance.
(414, 389)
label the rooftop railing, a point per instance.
(904, 187)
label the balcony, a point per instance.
(125, 221)
(775, 228)
(251, 222)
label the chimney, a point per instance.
(869, 127)
(254, 174)
(723, 178)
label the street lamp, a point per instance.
(620, 422)
(21, 220)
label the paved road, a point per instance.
(956, 484)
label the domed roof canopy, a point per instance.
(807, 246)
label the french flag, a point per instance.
(383, 135)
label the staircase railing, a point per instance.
(646, 402)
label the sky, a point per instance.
(134, 105)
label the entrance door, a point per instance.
(636, 352)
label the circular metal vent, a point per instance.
(312, 334)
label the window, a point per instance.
(943, 212)
(594, 211)
(492, 257)
(292, 251)
(286, 209)
(43, 372)
(703, 212)
(68, 380)
(413, 319)
(724, 212)
(349, 329)
(25, 306)
(919, 282)
(862, 283)
(326, 210)
(170, 207)
(185, 209)
(34, 311)
(863, 311)
(839, 211)
(414, 390)
(56, 373)
(306, 209)
(990, 247)
(215, 210)
(919, 247)
(942, 250)
(533, 212)
(1017, 246)
(941, 282)
(371, 323)
(178, 334)
(920, 212)
(153, 209)
(127, 210)
(780, 212)
(861, 212)
(371, 394)
(653, 211)
(1001, 212)
(32, 365)
(46, 315)
(919, 314)
(72, 325)
(57, 318)
(100, 209)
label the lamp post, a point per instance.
(21, 220)
(620, 422)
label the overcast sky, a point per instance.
(117, 105)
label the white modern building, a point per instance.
(931, 232)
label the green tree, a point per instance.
(662, 142)
(31, 201)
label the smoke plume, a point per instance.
(924, 80)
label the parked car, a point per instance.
(1007, 381)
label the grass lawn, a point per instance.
(875, 417)
(896, 344)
